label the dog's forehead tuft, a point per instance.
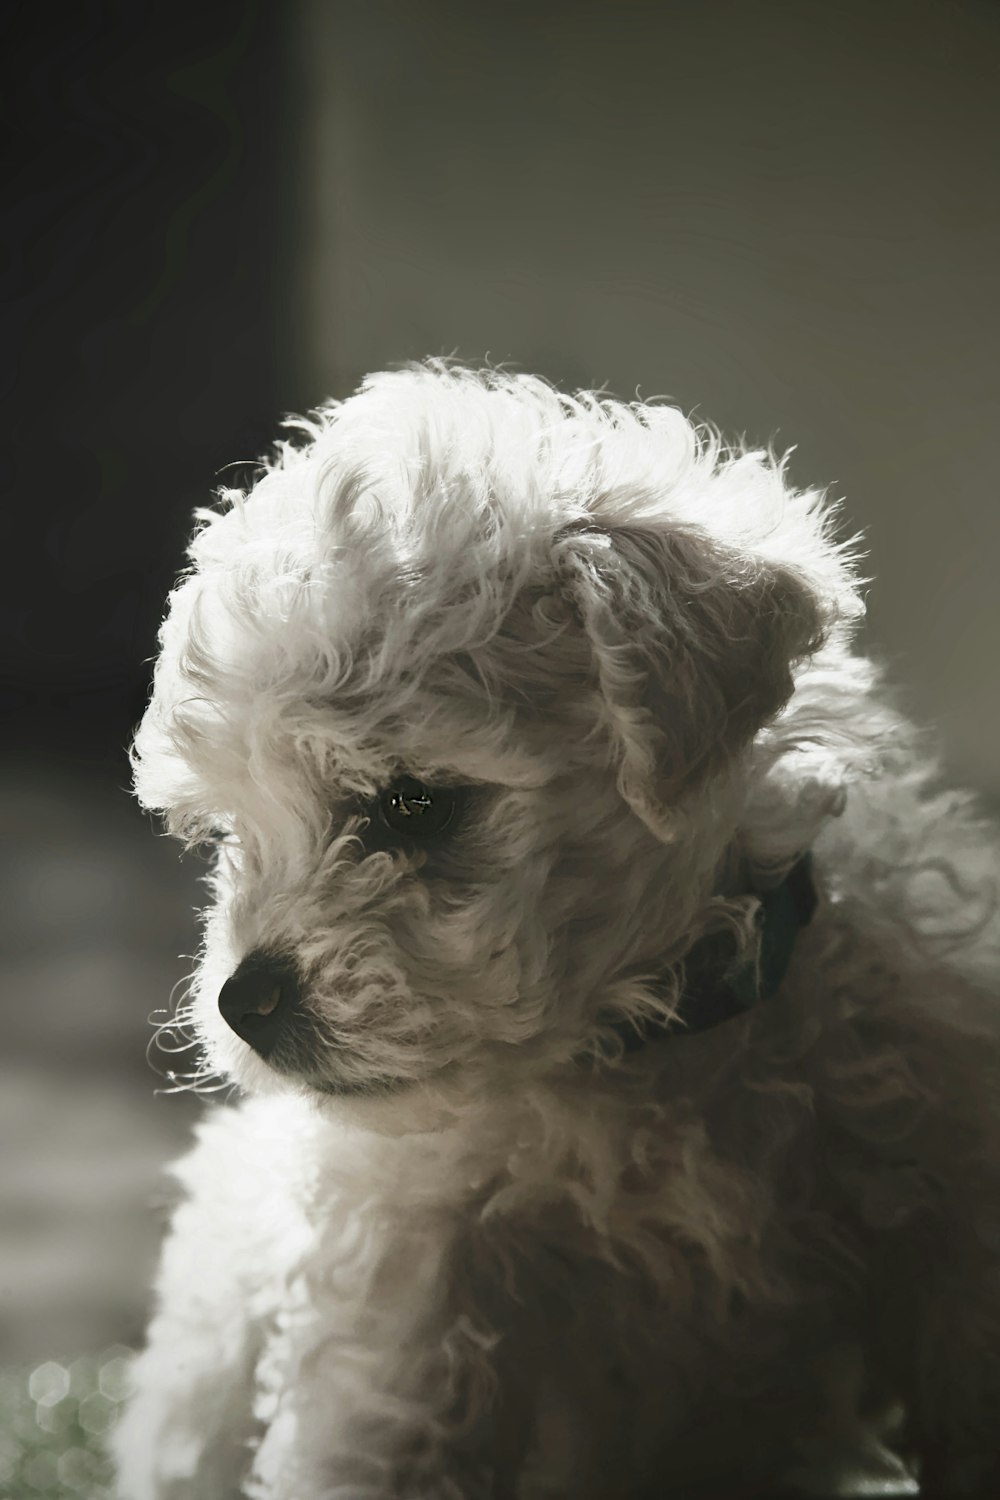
(449, 472)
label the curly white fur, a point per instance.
(467, 1246)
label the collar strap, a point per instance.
(713, 996)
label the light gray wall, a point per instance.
(783, 215)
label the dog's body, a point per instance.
(512, 709)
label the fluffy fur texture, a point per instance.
(458, 1242)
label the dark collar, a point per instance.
(713, 993)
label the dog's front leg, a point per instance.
(190, 1424)
(185, 1433)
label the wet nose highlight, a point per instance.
(257, 1000)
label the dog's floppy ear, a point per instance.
(692, 649)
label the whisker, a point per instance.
(174, 1035)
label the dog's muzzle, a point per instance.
(260, 999)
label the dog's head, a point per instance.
(464, 689)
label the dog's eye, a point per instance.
(415, 810)
(215, 841)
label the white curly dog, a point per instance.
(612, 983)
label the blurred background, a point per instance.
(783, 214)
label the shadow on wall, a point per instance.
(92, 906)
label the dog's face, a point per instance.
(462, 690)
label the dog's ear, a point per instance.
(692, 648)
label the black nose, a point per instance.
(259, 999)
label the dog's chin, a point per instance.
(392, 1106)
(344, 1091)
(373, 1100)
